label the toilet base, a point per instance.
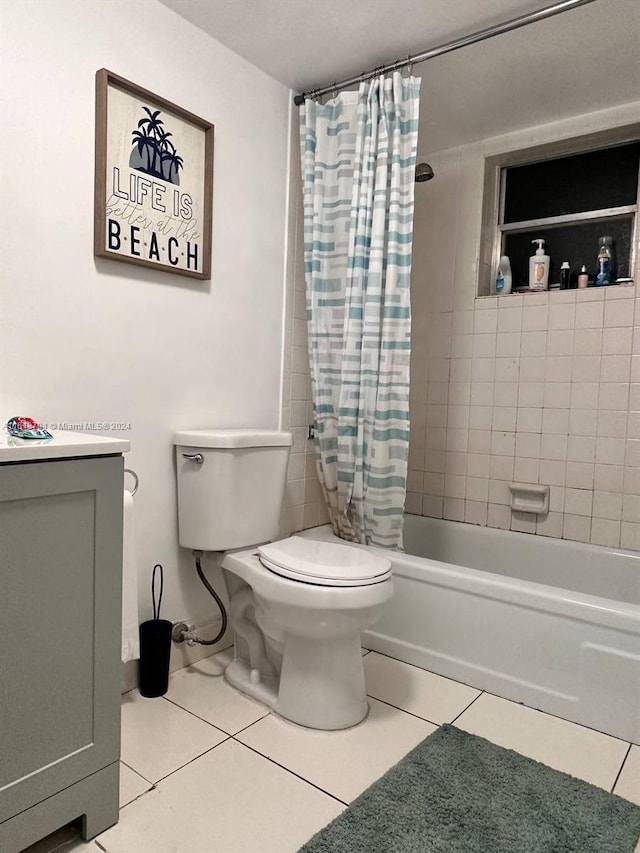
(322, 682)
(239, 675)
(321, 685)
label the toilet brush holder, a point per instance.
(155, 647)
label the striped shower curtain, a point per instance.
(358, 162)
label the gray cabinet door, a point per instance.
(60, 616)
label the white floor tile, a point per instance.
(230, 800)
(131, 785)
(158, 737)
(628, 785)
(202, 689)
(565, 746)
(342, 763)
(431, 696)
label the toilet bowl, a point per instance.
(298, 607)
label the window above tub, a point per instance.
(570, 193)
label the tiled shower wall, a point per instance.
(534, 388)
(304, 505)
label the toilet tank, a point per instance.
(230, 486)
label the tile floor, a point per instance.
(206, 768)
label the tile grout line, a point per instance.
(187, 763)
(404, 711)
(624, 761)
(193, 714)
(292, 772)
(423, 669)
(475, 699)
(133, 770)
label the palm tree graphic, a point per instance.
(153, 152)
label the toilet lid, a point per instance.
(324, 563)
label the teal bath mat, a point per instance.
(458, 793)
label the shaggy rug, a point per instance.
(458, 793)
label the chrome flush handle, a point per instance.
(198, 458)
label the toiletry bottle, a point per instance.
(539, 268)
(604, 267)
(565, 275)
(583, 278)
(503, 278)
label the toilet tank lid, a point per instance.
(233, 438)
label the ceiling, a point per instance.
(582, 60)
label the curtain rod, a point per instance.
(481, 35)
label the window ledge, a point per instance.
(619, 290)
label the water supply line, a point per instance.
(181, 632)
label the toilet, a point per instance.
(297, 605)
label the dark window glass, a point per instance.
(576, 243)
(591, 181)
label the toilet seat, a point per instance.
(324, 563)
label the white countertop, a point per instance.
(64, 443)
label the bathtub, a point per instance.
(549, 623)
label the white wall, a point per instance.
(536, 388)
(97, 340)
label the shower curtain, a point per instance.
(358, 162)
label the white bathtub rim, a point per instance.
(622, 616)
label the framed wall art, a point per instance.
(153, 180)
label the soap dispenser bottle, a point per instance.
(539, 268)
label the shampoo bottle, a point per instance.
(604, 269)
(503, 278)
(539, 268)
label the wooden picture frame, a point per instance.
(153, 180)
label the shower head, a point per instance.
(424, 172)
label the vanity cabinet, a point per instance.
(60, 639)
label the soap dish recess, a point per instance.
(529, 497)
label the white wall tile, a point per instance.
(589, 315)
(607, 505)
(531, 394)
(617, 340)
(552, 472)
(584, 395)
(525, 470)
(630, 536)
(605, 532)
(454, 509)
(581, 448)
(532, 369)
(506, 394)
(536, 318)
(551, 525)
(534, 344)
(578, 501)
(500, 517)
(576, 528)
(528, 445)
(510, 320)
(608, 478)
(558, 368)
(502, 468)
(583, 421)
(615, 368)
(587, 342)
(557, 395)
(580, 475)
(503, 443)
(475, 512)
(555, 421)
(562, 315)
(616, 313)
(560, 342)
